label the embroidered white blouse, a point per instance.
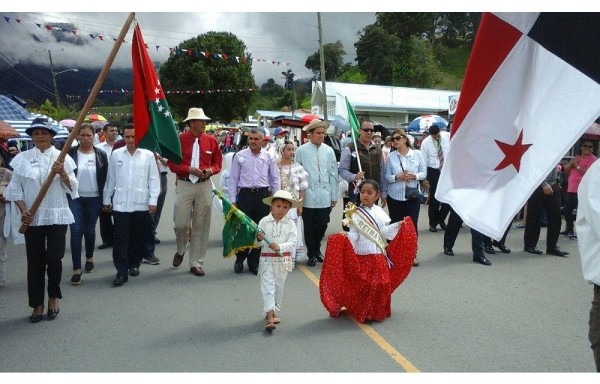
(362, 245)
(283, 233)
(30, 170)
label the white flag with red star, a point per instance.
(531, 89)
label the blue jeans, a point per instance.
(86, 211)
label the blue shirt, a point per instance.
(413, 162)
(323, 183)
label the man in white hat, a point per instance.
(201, 158)
(321, 195)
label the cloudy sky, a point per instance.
(278, 41)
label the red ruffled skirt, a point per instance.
(364, 284)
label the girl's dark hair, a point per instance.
(371, 182)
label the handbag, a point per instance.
(410, 193)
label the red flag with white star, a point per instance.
(531, 90)
(155, 128)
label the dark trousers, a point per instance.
(487, 241)
(594, 326)
(570, 206)
(250, 202)
(437, 211)
(400, 209)
(45, 248)
(451, 233)
(85, 211)
(107, 228)
(161, 201)
(129, 248)
(315, 224)
(533, 224)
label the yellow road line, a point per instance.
(369, 331)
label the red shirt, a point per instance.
(210, 154)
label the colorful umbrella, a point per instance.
(95, 117)
(7, 131)
(309, 118)
(423, 123)
(69, 123)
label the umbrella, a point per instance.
(382, 129)
(69, 123)
(11, 110)
(309, 118)
(95, 117)
(341, 125)
(7, 131)
(423, 123)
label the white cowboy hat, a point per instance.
(282, 194)
(316, 123)
(196, 114)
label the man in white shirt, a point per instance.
(588, 237)
(107, 229)
(131, 193)
(433, 149)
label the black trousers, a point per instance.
(570, 205)
(487, 241)
(107, 228)
(161, 201)
(533, 224)
(130, 247)
(451, 233)
(315, 224)
(400, 209)
(45, 248)
(437, 211)
(250, 202)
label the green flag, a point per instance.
(352, 120)
(154, 125)
(239, 231)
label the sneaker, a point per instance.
(89, 266)
(151, 260)
(76, 279)
(566, 233)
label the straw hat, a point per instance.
(196, 114)
(282, 194)
(316, 123)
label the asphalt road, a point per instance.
(525, 313)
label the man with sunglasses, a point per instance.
(371, 161)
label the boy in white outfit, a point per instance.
(277, 236)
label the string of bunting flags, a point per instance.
(196, 53)
(202, 91)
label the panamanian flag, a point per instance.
(531, 89)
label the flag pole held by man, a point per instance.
(155, 128)
(531, 89)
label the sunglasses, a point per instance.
(587, 146)
(367, 130)
(396, 138)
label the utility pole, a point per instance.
(54, 80)
(322, 67)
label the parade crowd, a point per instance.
(288, 189)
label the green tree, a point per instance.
(222, 82)
(353, 75)
(418, 68)
(333, 58)
(271, 89)
(58, 114)
(377, 51)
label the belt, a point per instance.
(275, 254)
(188, 179)
(258, 189)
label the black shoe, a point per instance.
(238, 267)
(489, 249)
(134, 271)
(311, 262)
(481, 260)
(76, 279)
(156, 240)
(119, 280)
(432, 229)
(503, 248)
(556, 251)
(52, 313)
(253, 270)
(442, 225)
(533, 250)
(448, 252)
(104, 246)
(89, 266)
(319, 257)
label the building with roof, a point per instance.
(393, 107)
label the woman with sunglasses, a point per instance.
(404, 167)
(575, 170)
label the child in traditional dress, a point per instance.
(277, 236)
(361, 271)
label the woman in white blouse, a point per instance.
(46, 229)
(404, 167)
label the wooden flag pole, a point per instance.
(88, 104)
